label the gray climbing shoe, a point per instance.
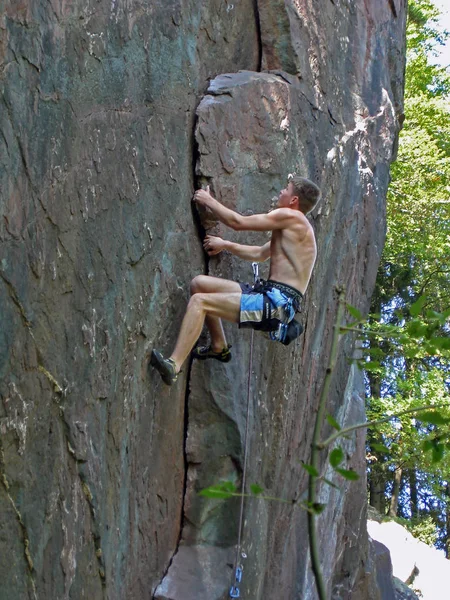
(204, 352)
(166, 367)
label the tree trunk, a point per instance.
(393, 506)
(376, 490)
(413, 493)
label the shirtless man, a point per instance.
(268, 306)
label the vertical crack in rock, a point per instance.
(258, 32)
(195, 214)
(393, 8)
(25, 537)
(201, 234)
(186, 467)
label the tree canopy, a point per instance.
(408, 349)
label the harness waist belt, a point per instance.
(283, 287)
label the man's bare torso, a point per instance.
(293, 253)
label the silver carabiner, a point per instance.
(255, 268)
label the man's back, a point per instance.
(293, 253)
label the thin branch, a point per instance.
(341, 432)
(368, 332)
(270, 498)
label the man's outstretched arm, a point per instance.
(280, 218)
(213, 245)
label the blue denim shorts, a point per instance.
(267, 304)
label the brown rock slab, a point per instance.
(105, 113)
(200, 572)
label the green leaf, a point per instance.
(355, 312)
(432, 314)
(427, 445)
(440, 342)
(332, 421)
(380, 448)
(225, 489)
(311, 470)
(370, 365)
(433, 417)
(438, 453)
(256, 489)
(416, 308)
(349, 474)
(336, 457)
(416, 328)
(318, 508)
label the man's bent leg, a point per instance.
(208, 284)
(214, 305)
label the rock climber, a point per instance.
(268, 305)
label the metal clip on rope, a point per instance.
(255, 268)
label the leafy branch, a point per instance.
(315, 449)
(433, 417)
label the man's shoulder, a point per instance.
(294, 218)
(289, 213)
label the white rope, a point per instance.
(244, 470)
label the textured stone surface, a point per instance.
(385, 583)
(98, 161)
(402, 591)
(97, 113)
(202, 572)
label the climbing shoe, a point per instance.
(166, 367)
(204, 352)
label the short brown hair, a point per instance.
(308, 193)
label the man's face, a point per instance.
(285, 197)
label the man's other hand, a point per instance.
(203, 197)
(213, 244)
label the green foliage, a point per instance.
(310, 470)
(227, 489)
(336, 457)
(316, 507)
(332, 421)
(349, 474)
(407, 361)
(422, 528)
(256, 489)
(222, 490)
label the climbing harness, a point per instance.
(238, 567)
(280, 334)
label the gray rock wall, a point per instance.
(111, 114)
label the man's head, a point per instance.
(300, 193)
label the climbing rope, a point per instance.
(238, 568)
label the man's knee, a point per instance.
(197, 284)
(197, 301)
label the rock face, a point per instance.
(111, 114)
